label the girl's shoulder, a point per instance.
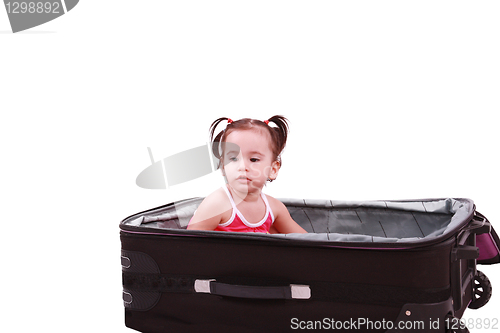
(211, 212)
(283, 222)
(216, 202)
(275, 205)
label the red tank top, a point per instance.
(238, 223)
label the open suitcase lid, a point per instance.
(388, 224)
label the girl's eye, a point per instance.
(254, 160)
(233, 159)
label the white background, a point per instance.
(386, 100)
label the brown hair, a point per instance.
(278, 134)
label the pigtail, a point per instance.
(214, 125)
(218, 138)
(281, 132)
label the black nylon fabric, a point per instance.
(320, 290)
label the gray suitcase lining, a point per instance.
(342, 221)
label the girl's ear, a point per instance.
(275, 168)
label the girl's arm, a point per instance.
(283, 222)
(209, 213)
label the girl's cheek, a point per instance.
(256, 170)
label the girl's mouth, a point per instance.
(243, 179)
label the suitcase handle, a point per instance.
(292, 291)
(478, 225)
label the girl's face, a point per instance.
(248, 160)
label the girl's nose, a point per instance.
(242, 165)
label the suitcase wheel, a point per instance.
(481, 291)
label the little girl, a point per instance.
(249, 155)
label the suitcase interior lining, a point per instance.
(327, 220)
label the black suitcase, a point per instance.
(377, 266)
